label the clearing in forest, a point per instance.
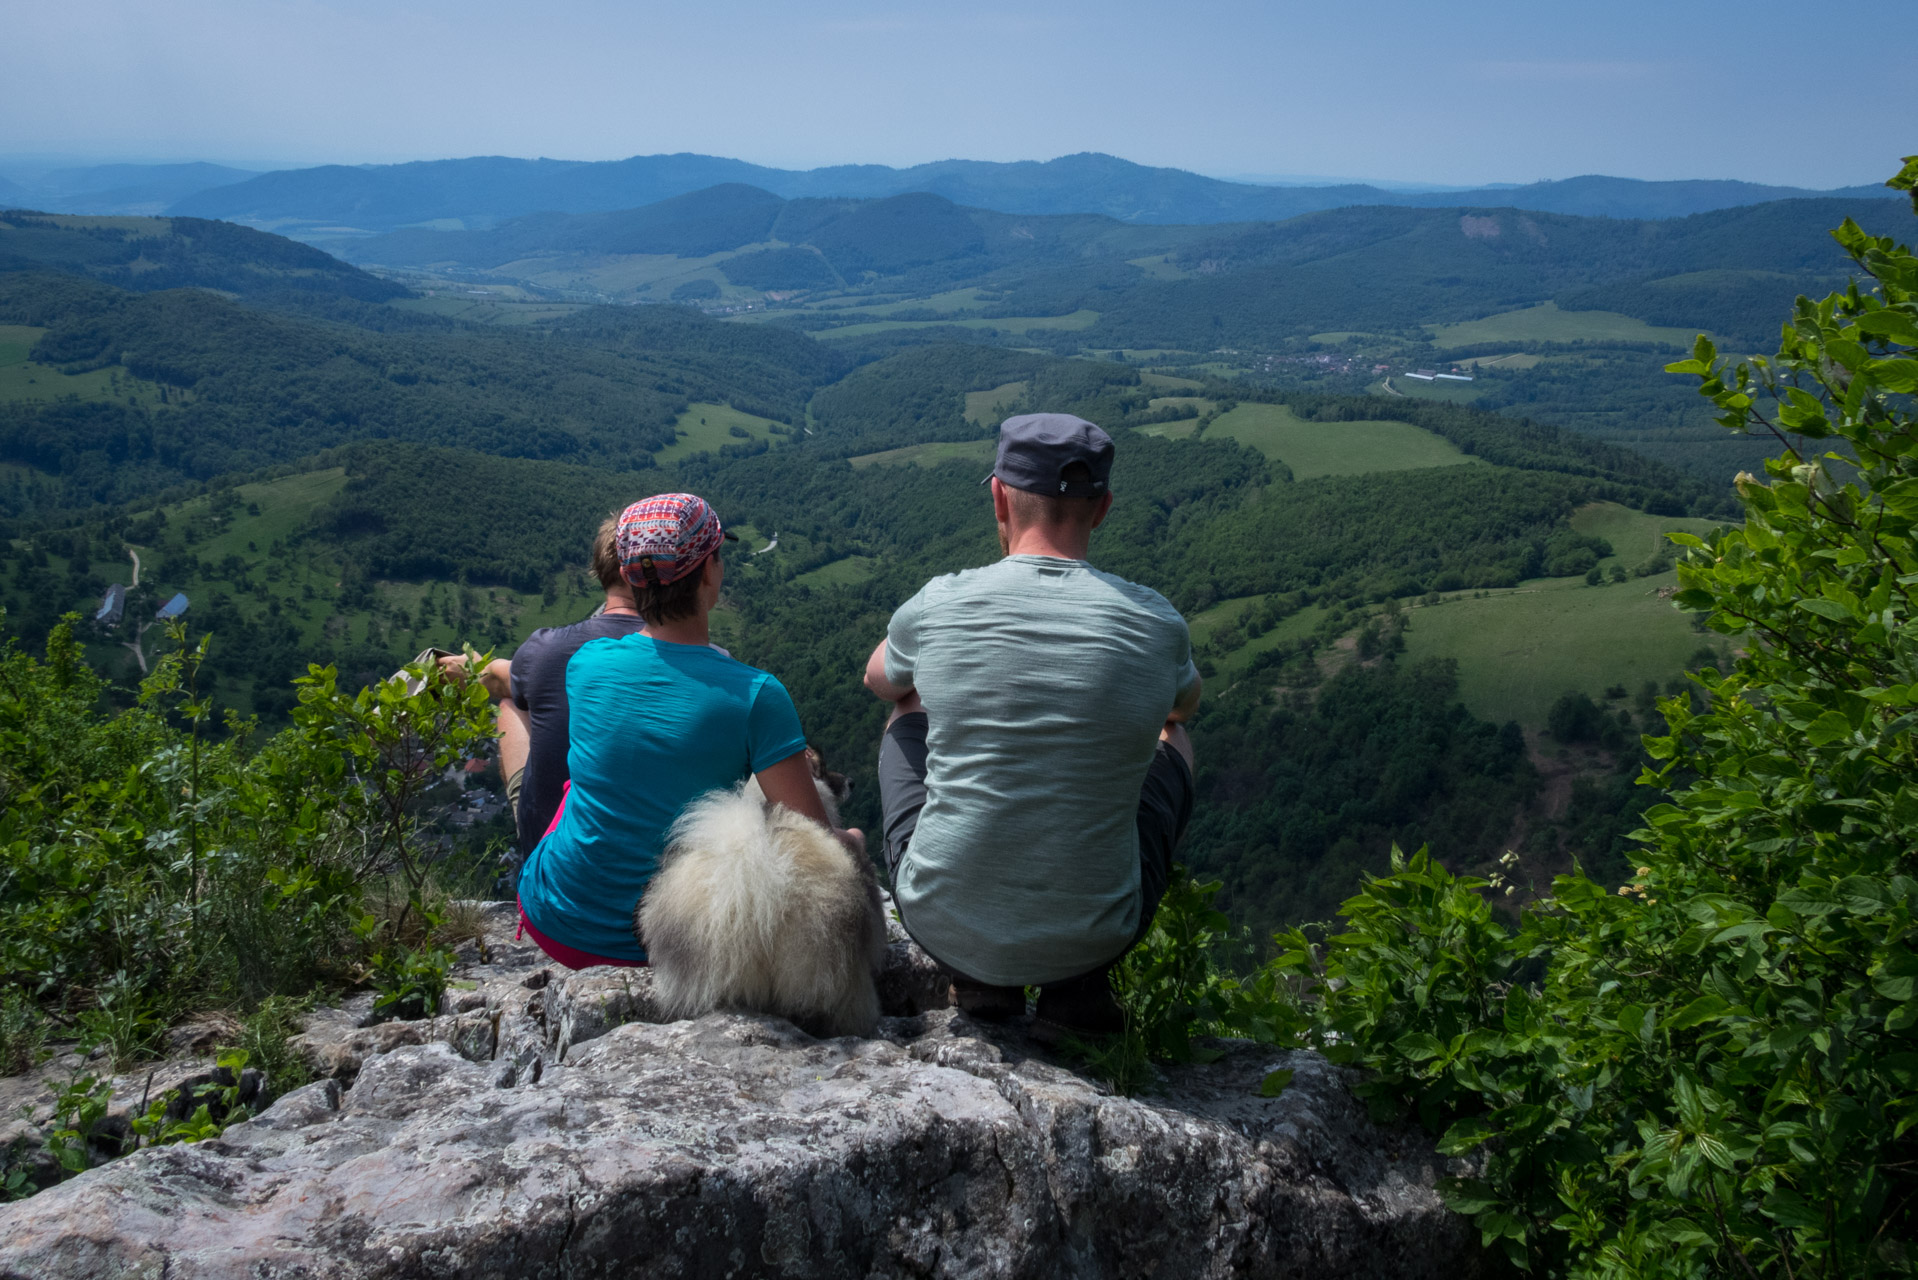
(989, 408)
(848, 572)
(1081, 319)
(1546, 323)
(1334, 448)
(707, 428)
(23, 379)
(930, 454)
(1519, 650)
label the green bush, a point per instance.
(153, 862)
(1712, 1071)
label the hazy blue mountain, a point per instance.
(151, 254)
(483, 191)
(122, 189)
(888, 235)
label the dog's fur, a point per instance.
(755, 908)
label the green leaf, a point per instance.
(1893, 325)
(1275, 1082)
(1466, 1134)
(1828, 609)
(1420, 1046)
(1894, 375)
(1787, 1208)
(1863, 896)
(1466, 1195)
(1703, 1009)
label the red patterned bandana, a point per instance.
(665, 537)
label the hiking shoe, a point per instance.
(1083, 1007)
(988, 1003)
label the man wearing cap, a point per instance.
(1034, 775)
(657, 718)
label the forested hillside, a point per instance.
(332, 477)
(148, 254)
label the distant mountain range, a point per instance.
(483, 191)
(117, 189)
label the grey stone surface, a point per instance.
(544, 1125)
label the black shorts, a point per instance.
(1165, 807)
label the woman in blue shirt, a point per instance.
(658, 719)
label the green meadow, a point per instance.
(849, 572)
(1519, 650)
(24, 379)
(1181, 429)
(1081, 319)
(928, 455)
(989, 408)
(707, 428)
(1334, 448)
(1546, 323)
(1208, 623)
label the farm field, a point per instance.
(706, 428)
(1334, 448)
(988, 408)
(1166, 381)
(848, 572)
(1518, 651)
(955, 301)
(1635, 536)
(1208, 623)
(1546, 323)
(1081, 319)
(1444, 392)
(24, 379)
(1180, 430)
(928, 455)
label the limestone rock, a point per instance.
(545, 1125)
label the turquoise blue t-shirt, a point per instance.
(654, 725)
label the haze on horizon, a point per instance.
(1489, 91)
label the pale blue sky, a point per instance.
(1467, 92)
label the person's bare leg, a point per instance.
(905, 707)
(515, 738)
(1174, 734)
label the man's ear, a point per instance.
(1105, 509)
(1001, 508)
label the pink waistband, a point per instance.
(571, 957)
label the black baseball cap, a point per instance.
(1036, 448)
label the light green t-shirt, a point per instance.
(1046, 683)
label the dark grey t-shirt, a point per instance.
(539, 689)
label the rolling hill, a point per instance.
(149, 254)
(483, 190)
(119, 189)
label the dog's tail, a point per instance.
(765, 910)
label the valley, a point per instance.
(412, 453)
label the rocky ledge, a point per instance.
(547, 1124)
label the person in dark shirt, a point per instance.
(531, 692)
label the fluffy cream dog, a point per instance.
(757, 909)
